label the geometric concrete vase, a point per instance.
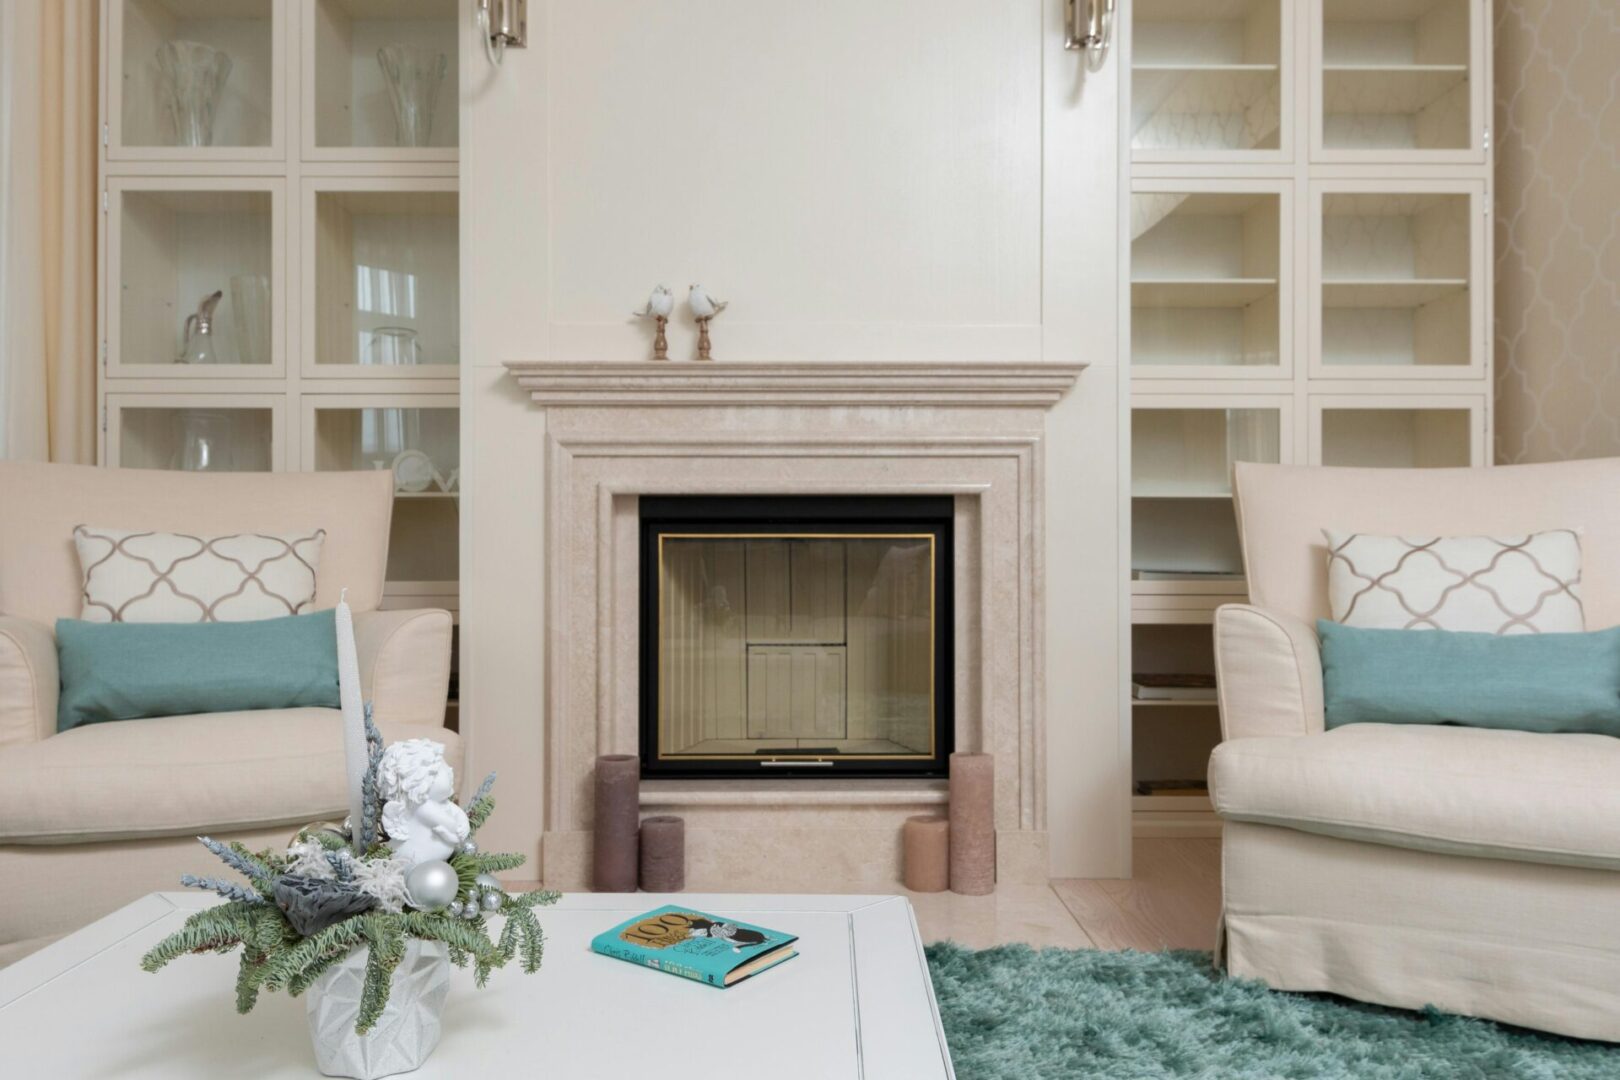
(406, 1033)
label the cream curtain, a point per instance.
(48, 221)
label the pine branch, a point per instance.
(387, 950)
(248, 978)
(534, 938)
(494, 862)
(533, 899)
(230, 890)
(334, 941)
(239, 859)
(216, 929)
(478, 812)
(329, 840)
(306, 978)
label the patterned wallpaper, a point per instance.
(1557, 229)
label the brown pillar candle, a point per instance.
(927, 843)
(618, 813)
(663, 854)
(973, 824)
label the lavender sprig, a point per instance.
(230, 890)
(483, 789)
(245, 865)
(370, 805)
(341, 865)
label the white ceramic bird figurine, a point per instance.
(659, 304)
(703, 306)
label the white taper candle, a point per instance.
(352, 700)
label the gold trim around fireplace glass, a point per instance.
(796, 640)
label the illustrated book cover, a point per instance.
(695, 945)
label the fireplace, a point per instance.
(796, 636)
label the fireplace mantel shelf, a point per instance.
(957, 384)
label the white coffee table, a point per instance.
(857, 1002)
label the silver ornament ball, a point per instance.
(472, 898)
(492, 901)
(469, 847)
(488, 883)
(470, 911)
(432, 885)
(455, 909)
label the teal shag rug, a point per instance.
(1015, 1013)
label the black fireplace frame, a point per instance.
(852, 514)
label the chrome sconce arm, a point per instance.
(1091, 33)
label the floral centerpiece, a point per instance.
(367, 917)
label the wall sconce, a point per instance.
(1091, 33)
(502, 24)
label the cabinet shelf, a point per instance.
(1388, 89)
(1389, 294)
(1205, 293)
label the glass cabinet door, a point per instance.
(199, 79)
(1182, 453)
(198, 268)
(382, 279)
(1209, 296)
(1396, 294)
(416, 437)
(195, 432)
(1423, 432)
(1207, 79)
(381, 79)
(1399, 79)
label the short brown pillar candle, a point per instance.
(663, 854)
(927, 844)
(618, 815)
(973, 824)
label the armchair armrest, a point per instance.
(405, 664)
(29, 682)
(1268, 668)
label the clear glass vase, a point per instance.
(204, 443)
(414, 76)
(191, 77)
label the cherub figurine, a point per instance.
(416, 785)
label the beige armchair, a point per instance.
(97, 816)
(1477, 871)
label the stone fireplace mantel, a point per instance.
(616, 431)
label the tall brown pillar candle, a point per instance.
(663, 854)
(927, 853)
(973, 824)
(618, 813)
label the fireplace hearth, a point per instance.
(796, 636)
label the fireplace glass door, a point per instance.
(795, 636)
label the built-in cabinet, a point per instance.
(280, 263)
(1309, 283)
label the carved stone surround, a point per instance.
(617, 431)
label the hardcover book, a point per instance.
(694, 945)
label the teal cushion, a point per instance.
(124, 671)
(1521, 682)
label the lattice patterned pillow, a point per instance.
(151, 577)
(1495, 585)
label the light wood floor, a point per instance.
(1173, 901)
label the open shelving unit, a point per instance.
(1309, 284)
(327, 226)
